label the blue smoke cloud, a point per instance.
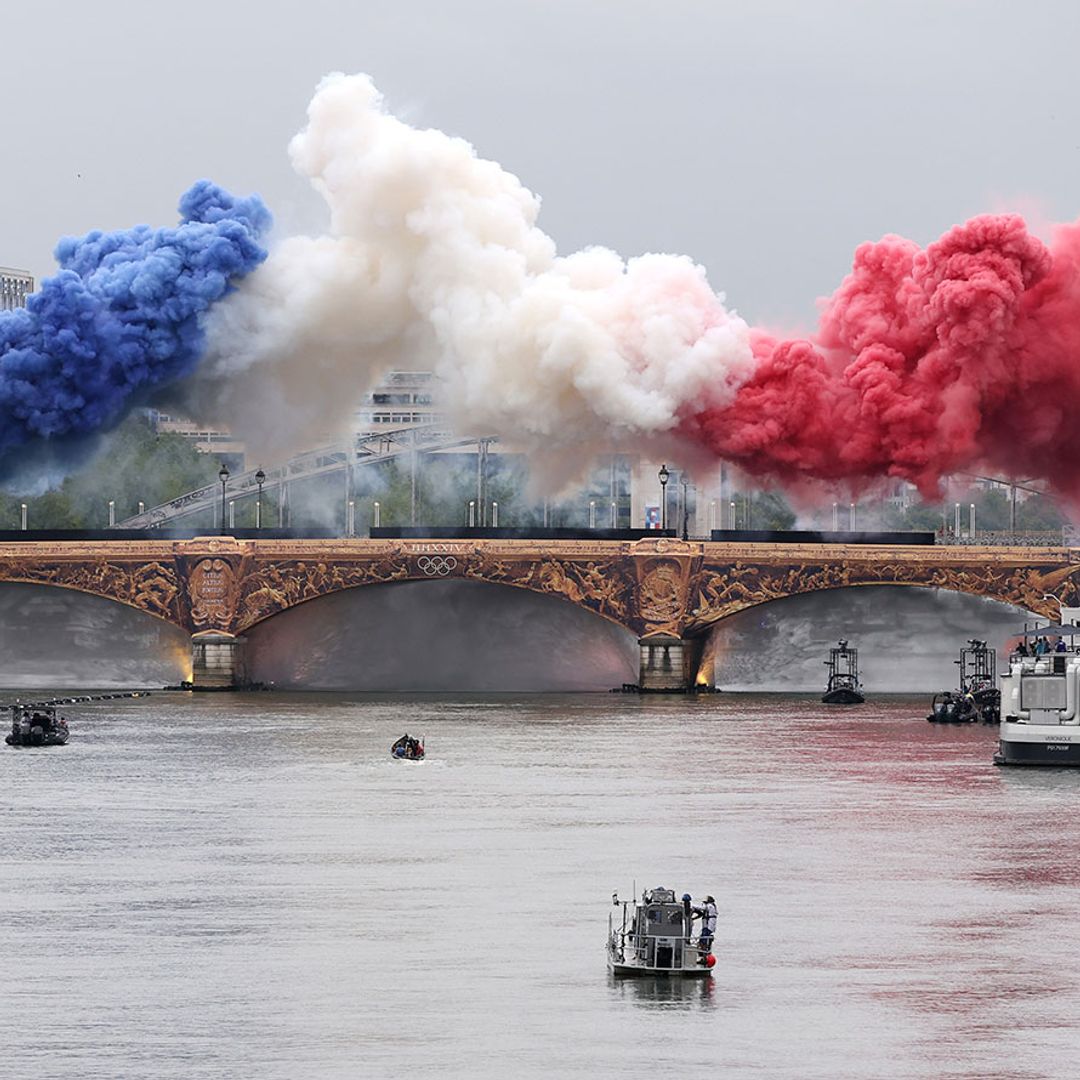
(121, 319)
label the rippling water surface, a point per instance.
(248, 886)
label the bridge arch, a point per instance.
(908, 639)
(604, 584)
(58, 636)
(448, 634)
(719, 592)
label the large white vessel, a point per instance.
(654, 936)
(1040, 698)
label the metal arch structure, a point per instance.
(366, 450)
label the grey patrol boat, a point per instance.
(654, 937)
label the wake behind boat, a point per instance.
(655, 935)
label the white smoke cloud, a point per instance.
(433, 260)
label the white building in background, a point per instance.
(901, 495)
(205, 440)
(15, 287)
(402, 399)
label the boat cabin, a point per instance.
(1040, 697)
(655, 937)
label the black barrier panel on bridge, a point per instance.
(813, 536)
(451, 532)
(7, 535)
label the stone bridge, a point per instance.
(667, 592)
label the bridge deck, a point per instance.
(654, 586)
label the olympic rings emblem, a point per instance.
(436, 565)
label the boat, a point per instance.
(978, 699)
(1040, 721)
(655, 936)
(37, 725)
(843, 687)
(408, 749)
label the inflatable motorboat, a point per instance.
(408, 749)
(37, 725)
(978, 700)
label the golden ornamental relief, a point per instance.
(152, 586)
(275, 586)
(662, 595)
(723, 591)
(602, 586)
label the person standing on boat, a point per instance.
(707, 914)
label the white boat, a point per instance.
(1040, 700)
(655, 937)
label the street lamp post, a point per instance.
(663, 474)
(260, 479)
(223, 476)
(685, 510)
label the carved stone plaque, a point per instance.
(212, 588)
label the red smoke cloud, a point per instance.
(962, 356)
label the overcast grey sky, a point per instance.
(766, 139)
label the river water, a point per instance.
(247, 886)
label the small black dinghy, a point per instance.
(37, 725)
(408, 749)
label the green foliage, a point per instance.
(133, 464)
(1039, 514)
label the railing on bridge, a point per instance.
(1065, 537)
(367, 450)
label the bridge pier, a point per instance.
(217, 661)
(668, 664)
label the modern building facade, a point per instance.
(15, 287)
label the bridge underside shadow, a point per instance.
(53, 637)
(907, 638)
(441, 635)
